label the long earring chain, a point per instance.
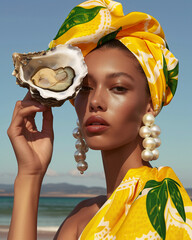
(150, 132)
(82, 148)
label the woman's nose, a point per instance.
(98, 101)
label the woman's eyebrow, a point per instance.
(89, 75)
(110, 75)
(118, 74)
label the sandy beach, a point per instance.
(42, 234)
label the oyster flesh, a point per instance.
(52, 76)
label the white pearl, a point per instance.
(79, 156)
(147, 155)
(145, 132)
(76, 133)
(149, 143)
(155, 154)
(158, 141)
(80, 144)
(148, 119)
(82, 166)
(85, 148)
(155, 130)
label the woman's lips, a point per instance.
(96, 124)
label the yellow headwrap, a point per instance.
(95, 22)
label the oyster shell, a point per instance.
(52, 76)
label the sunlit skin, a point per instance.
(114, 90)
(114, 93)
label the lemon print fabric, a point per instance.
(150, 203)
(94, 22)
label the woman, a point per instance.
(141, 202)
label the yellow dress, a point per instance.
(150, 203)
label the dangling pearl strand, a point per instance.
(150, 133)
(82, 148)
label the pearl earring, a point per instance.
(82, 148)
(150, 133)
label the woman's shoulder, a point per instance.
(162, 177)
(98, 200)
(74, 224)
(90, 205)
(166, 173)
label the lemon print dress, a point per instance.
(150, 203)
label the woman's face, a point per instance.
(113, 99)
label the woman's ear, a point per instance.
(150, 108)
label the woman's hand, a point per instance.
(33, 148)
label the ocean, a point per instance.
(52, 211)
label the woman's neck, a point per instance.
(118, 161)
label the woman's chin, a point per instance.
(95, 147)
(101, 147)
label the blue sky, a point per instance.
(30, 25)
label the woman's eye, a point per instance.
(85, 88)
(119, 89)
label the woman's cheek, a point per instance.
(128, 116)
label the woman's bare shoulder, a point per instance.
(74, 224)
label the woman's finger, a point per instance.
(26, 112)
(31, 119)
(27, 101)
(16, 109)
(19, 105)
(24, 104)
(30, 124)
(27, 96)
(48, 122)
(17, 125)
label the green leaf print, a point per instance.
(108, 37)
(78, 15)
(157, 199)
(173, 82)
(152, 183)
(177, 199)
(174, 72)
(156, 202)
(170, 75)
(173, 181)
(165, 70)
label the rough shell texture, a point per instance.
(26, 65)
